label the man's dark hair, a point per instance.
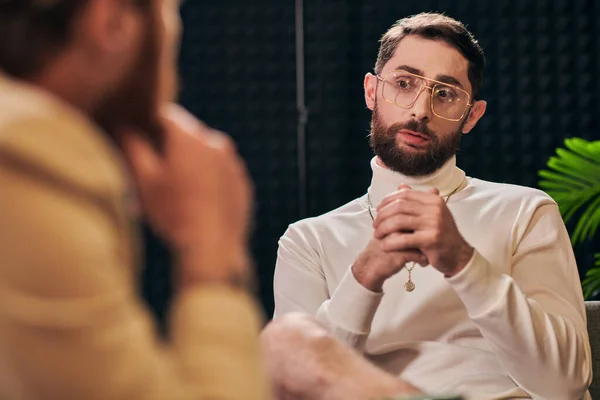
(436, 27)
(31, 31)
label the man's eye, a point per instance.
(404, 83)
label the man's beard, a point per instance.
(412, 163)
(134, 104)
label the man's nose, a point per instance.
(421, 109)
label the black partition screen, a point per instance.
(239, 67)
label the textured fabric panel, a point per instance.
(238, 71)
(593, 321)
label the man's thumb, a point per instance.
(139, 153)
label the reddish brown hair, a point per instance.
(435, 27)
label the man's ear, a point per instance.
(370, 85)
(106, 25)
(477, 111)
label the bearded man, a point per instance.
(451, 283)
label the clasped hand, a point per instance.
(415, 222)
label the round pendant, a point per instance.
(409, 286)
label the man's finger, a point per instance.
(398, 223)
(398, 206)
(415, 195)
(139, 153)
(392, 197)
(177, 118)
(401, 241)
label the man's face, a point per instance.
(149, 78)
(414, 140)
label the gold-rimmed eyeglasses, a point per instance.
(402, 88)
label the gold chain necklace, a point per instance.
(409, 286)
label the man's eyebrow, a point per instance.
(410, 69)
(449, 79)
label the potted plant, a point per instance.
(572, 179)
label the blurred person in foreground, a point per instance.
(451, 282)
(89, 143)
(80, 80)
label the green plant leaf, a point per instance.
(576, 160)
(558, 181)
(584, 230)
(591, 283)
(584, 148)
(590, 289)
(572, 179)
(573, 171)
(574, 203)
(593, 272)
(590, 286)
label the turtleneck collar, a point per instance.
(446, 179)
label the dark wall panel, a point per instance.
(238, 71)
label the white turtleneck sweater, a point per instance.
(511, 324)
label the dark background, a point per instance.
(238, 66)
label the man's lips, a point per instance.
(413, 133)
(412, 138)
